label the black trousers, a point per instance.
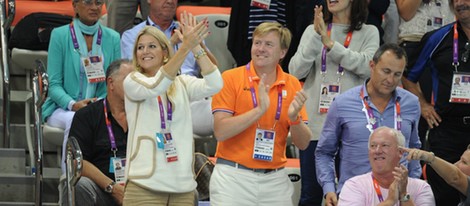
(425, 83)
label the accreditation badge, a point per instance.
(94, 69)
(170, 148)
(264, 145)
(263, 4)
(118, 166)
(328, 92)
(460, 92)
(437, 23)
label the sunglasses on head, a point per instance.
(90, 2)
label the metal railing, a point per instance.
(5, 22)
(74, 168)
(40, 84)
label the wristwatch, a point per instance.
(110, 187)
(405, 198)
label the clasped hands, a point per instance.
(321, 28)
(190, 30)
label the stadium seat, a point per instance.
(217, 39)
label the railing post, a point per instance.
(74, 168)
(40, 84)
(5, 23)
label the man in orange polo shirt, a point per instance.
(258, 98)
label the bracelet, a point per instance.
(199, 54)
(296, 122)
(433, 158)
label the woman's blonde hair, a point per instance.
(166, 47)
(161, 39)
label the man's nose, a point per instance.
(378, 149)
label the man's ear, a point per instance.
(109, 82)
(371, 64)
(283, 53)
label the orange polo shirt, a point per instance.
(235, 98)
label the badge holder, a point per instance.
(262, 4)
(118, 165)
(94, 69)
(328, 92)
(165, 141)
(460, 91)
(264, 144)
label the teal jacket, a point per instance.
(63, 67)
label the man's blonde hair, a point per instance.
(284, 34)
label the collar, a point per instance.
(172, 26)
(395, 96)
(281, 77)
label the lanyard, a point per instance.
(110, 130)
(371, 120)
(76, 46)
(162, 112)
(455, 61)
(347, 41)
(377, 189)
(253, 95)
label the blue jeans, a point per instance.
(311, 191)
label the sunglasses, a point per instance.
(466, 54)
(90, 2)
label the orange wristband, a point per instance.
(296, 122)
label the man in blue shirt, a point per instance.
(161, 16)
(354, 114)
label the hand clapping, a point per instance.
(191, 33)
(296, 105)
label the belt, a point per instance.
(239, 166)
(466, 120)
(462, 120)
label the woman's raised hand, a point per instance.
(318, 22)
(186, 23)
(192, 33)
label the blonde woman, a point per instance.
(160, 139)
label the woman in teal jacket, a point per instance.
(78, 56)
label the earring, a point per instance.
(165, 60)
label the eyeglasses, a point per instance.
(466, 54)
(90, 2)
